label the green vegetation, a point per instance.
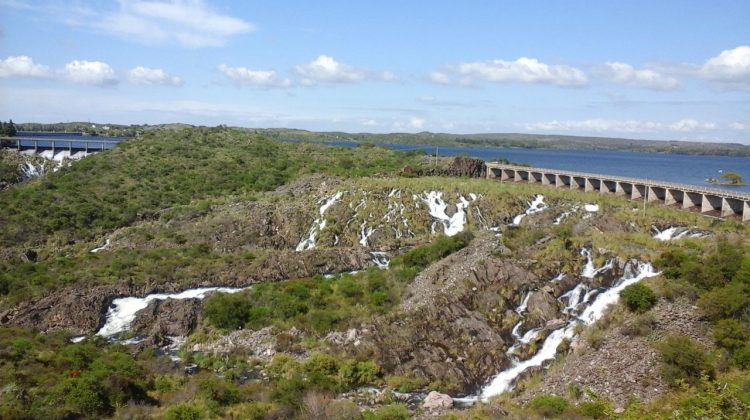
(638, 297)
(548, 405)
(143, 177)
(7, 129)
(319, 305)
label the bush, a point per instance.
(388, 412)
(228, 311)
(548, 405)
(730, 334)
(725, 302)
(683, 360)
(183, 412)
(742, 357)
(594, 409)
(640, 325)
(638, 297)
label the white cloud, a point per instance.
(626, 74)
(369, 123)
(389, 76)
(621, 126)
(22, 66)
(189, 23)
(147, 76)
(522, 70)
(417, 123)
(89, 73)
(259, 78)
(327, 69)
(731, 68)
(739, 126)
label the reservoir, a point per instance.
(684, 169)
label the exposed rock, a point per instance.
(624, 366)
(542, 307)
(167, 318)
(29, 255)
(461, 166)
(80, 309)
(261, 344)
(436, 400)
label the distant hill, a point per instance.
(517, 140)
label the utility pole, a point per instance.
(645, 199)
(436, 154)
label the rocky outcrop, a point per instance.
(81, 310)
(461, 166)
(624, 366)
(435, 400)
(169, 317)
(454, 327)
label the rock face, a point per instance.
(454, 327)
(81, 310)
(167, 318)
(624, 366)
(461, 166)
(436, 400)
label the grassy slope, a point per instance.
(185, 168)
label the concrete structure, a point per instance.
(38, 144)
(709, 201)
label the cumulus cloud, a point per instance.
(147, 76)
(22, 66)
(327, 69)
(89, 73)
(417, 123)
(522, 70)
(189, 23)
(259, 78)
(621, 126)
(731, 68)
(626, 74)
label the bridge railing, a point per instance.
(640, 181)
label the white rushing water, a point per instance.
(676, 232)
(524, 303)
(535, 206)
(319, 224)
(381, 259)
(122, 311)
(591, 208)
(101, 248)
(505, 380)
(437, 206)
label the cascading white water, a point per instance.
(101, 248)
(573, 297)
(453, 224)
(504, 380)
(676, 232)
(535, 206)
(319, 224)
(122, 311)
(381, 259)
(524, 303)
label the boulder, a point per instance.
(436, 400)
(542, 307)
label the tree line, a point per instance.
(7, 129)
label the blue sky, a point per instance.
(637, 69)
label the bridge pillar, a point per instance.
(70, 147)
(731, 207)
(745, 211)
(36, 146)
(619, 191)
(589, 185)
(692, 200)
(671, 196)
(711, 203)
(545, 180)
(637, 192)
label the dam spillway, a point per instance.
(708, 201)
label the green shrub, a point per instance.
(742, 357)
(683, 360)
(640, 325)
(388, 412)
(730, 334)
(548, 405)
(638, 297)
(727, 301)
(185, 411)
(228, 311)
(597, 409)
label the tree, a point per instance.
(731, 177)
(10, 128)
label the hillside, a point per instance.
(516, 140)
(219, 273)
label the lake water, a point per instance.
(685, 169)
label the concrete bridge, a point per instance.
(709, 201)
(37, 144)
